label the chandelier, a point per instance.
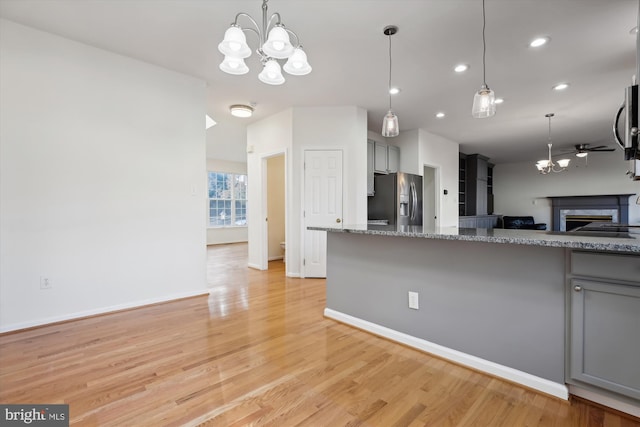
(548, 166)
(275, 44)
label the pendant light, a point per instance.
(484, 101)
(390, 123)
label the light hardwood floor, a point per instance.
(259, 352)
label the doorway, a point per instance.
(431, 201)
(274, 198)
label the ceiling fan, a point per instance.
(583, 150)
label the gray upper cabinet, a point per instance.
(380, 157)
(386, 158)
(604, 325)
(393, 158)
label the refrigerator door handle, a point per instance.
(414, 202)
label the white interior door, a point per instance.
(322, 206)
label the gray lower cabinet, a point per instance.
(604, 327)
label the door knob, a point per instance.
(577, 288)
(338, 221)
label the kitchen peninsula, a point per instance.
(555, 312)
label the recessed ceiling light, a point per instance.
(394, 90)
(561, 86)
(540, 41)
(499, 101)
(461, 68)
(240, 110)
(440, 115)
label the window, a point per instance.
(227, 200)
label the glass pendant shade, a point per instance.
(297, 64)
(234, 66)
(278, 44)
(484, 103)
(563, 163)
(271, 73)
(234, 44)
(390, 126)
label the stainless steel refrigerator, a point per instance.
(397, 198)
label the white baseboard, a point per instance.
(296, 275)
(514, 375)
(275, 258)
(254, 266)
(96, 311)
(606, 401)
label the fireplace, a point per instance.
(570, 212)
(574, 221)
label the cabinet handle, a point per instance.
(577, 288)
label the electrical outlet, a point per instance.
(413, 300)
(45, 283)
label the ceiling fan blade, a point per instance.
(598, 149)
(563, 153)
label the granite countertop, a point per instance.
(499, 235)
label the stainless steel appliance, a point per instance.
(398, 199)
(627, 122)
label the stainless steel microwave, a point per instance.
(625, 129)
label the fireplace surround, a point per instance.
(615, 206)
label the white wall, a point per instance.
(227, 140)
(216, 236)
(296, 130)
(419, 148)
(443, 154)
(102, 180)
(409, 144)
(519, 189)
(269, 136)
(275, 205)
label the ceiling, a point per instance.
(591, 48)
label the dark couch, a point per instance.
(522, 223)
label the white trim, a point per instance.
(296, 275)
(514, 375)
(625, 407)
(275, 258)
(254, 266)
(102, 310)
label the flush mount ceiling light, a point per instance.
(484, 100)
(461, 68)
(274, 44)
(539, 41)
(560, 86)
(547, 166)
(390, 123)
(440, 115)
(240, 110)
